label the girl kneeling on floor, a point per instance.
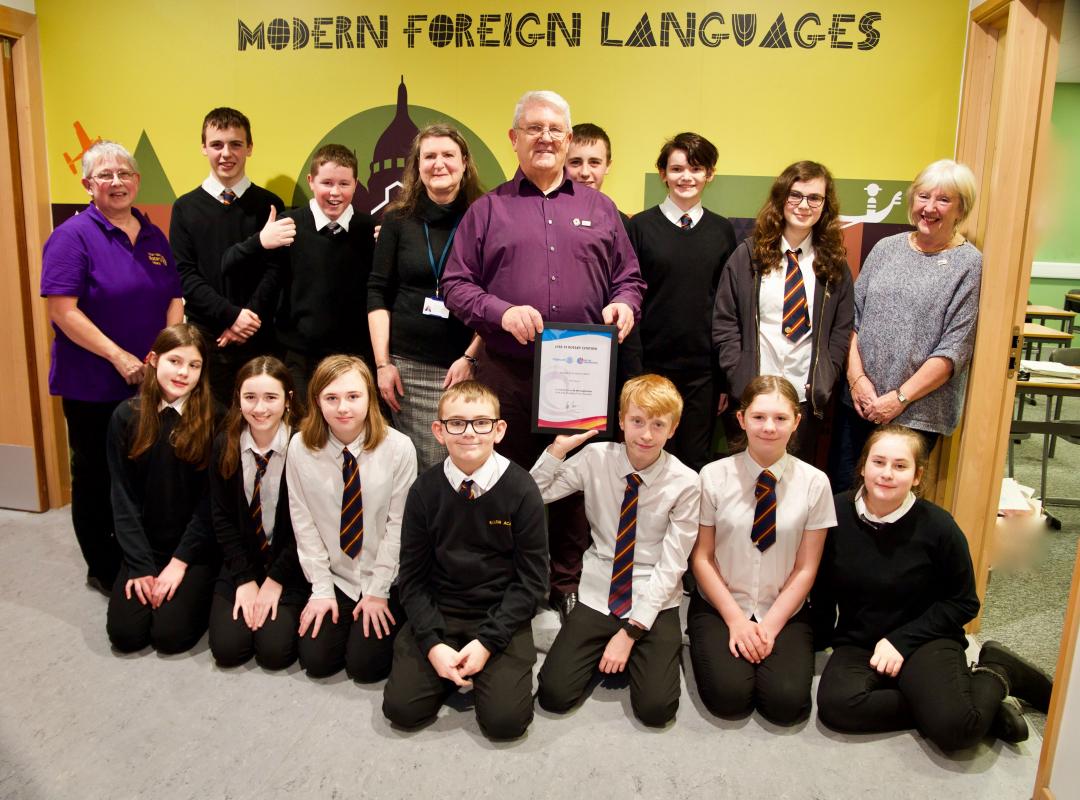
(158, 450)
(261, 589)
(897, 569)
(764, 514)
(348, 475)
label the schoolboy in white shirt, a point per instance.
(642, 505)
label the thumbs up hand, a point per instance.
(277, 232)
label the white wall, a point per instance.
(20, 5)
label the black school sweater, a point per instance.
(910, 581)
(235, 532)
(682, 269)
(324, 281)
(201, 230)
(161, 505)
(401, 277)
(484, 558)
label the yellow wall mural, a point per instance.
(868, 87)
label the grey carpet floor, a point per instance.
(78, 721)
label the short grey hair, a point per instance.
(544, 98)
(106, 149)
(949, 175)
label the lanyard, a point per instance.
(437, 269)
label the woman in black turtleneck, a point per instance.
(420, 349)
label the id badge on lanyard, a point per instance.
(434, 306)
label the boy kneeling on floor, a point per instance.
(642, 506)
(473, 570)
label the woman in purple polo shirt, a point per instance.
(111, 285)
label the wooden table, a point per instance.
(1049, 388)
(1044, 313)
(1036, 335)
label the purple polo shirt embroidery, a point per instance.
(124, 290)
(565, 254)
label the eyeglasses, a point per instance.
(107, 177)
(456, 427)
(536, 131)
(813, 200)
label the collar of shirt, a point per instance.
(95, 214)
(674, 213)
(485, 476)
(752, 468)
(806, 248)
(866, 514)
(321, 220)
(647, 475)
(567, 185)
(177, 405)
(356, 446)
(214, 187)
(278, 444)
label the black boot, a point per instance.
(1009, 724)
(1027, 682)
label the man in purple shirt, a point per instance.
(540, 247)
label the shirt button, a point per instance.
(553, 277)
(554, 308)
(552, 248)
(549, 222)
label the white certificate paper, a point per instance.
(574, 378)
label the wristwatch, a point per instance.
(633, 631)
(900, 396)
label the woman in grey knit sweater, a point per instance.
(916, 304)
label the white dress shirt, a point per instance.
(668, 503)
(214, 187)
(869, 516)
(176, 405)
(321, 220)
(315, 489)
(486, 475)
(803, 502)
(674, 213)
(777, 354)
(271, 480)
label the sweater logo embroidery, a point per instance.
(157, 258)
(503, 522)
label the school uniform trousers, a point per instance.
(161, 507)
(232, 642)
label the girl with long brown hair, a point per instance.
(784, 305)
(158, 451)
(764, 514)
(259, 594)
(348, 475)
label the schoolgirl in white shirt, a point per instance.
(764, 516)
(348, 474)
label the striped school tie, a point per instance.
(763, 532)
(685, 222)
(227, 197)
(796, 322)
(620, 596)
(255, 506)
(466, 490)
(352, 507)
(334, 228)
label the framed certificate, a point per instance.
(574, 378)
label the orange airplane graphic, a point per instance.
(85, 143)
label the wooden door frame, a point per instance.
(22, 29)
(1003, 135)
